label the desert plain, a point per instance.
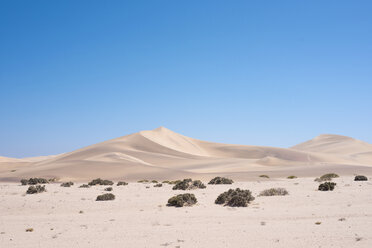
(139, 215)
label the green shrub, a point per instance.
(84, 186)
(360, 178)
(326, 177)
(67, 184)
(108, 189)
(235, 198)
(106, 197)
(121, 183)
(182, 200)
(154, 181)
(264, 176)
(99, 181)
(168, 182)
(143, 181)
(34, 181)
(291, 177)
(187, 184)
(327, 186)
(273, 192)
(158, 185)
(35, 189)
(221, 180)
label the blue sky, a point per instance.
(276, 73)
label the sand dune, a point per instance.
(164, 154)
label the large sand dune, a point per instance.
(164, 154)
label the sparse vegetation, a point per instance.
(67, 184)
(326, 177)
(35, 189)
(235, 198)
(108, 189)
(84, 186)
(274, 192)
(264, 176)
(106, 197)
(360, 178)
(221, 180)
(121, 183)
(291, 177)
(143, 181)
(327, 186)
(34, 181)
(154, 181)
(158, 185)
(182, 200)
(188, 184)
(99, 181)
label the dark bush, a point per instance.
(108, 189)
(99, 181)
(221, 180)
(35, 189)
(273, 192)
(264, 176)
(121, 183)
(158, 185)
(360, 178)
(291, 177)
(182, 200)
(235, 198)
(327, 186)
(189, 184)
(84, 186)
(106, 197)
(67, 184)
(34, 181)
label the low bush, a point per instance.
(182, 200)
(158, 185)
(264, 176)
(326, 177)
(273, 192)
(143, 181)
(327, 186)
(99, 181)
(154, 181)
(35, 189)
(187, 184)
(121, 183)
(84, 186)
(235, 198)
(106, 197)
(360, 178)
(67, 184)
(291, 177)
(34, 181)
(108, 189)
(221, 180)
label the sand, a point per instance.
(139, 217)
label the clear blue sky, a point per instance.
(74, 73)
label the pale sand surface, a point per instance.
(139, 217)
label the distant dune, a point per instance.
(164, 154)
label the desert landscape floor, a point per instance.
(139, 217)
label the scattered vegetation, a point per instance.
(35, 189)
(221, 180)
(121, 183)
(84, 186)
(360, 178)
(326, 177)
(264, 176)
(67, 184)
(235, 198)
(108, 189)
(99, 181)
(291, 177)
(273, 192)
(327, 186)
(106, 197)
(158, 185)
(34, 181)
(187, 184)
(182, 200)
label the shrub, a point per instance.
(158, 185)
(189, 184)
(166, 182)
(35, 189)
(29, 230)
(221, 180)
(108, 189)
(327, 186)
(264, 176)
(67, 184)
(235, 198)
(360, 178)
(106, 197)
(274, 191)
(182, 200)
(154, 181)
(121, 183)
(143, 181)
(99, 181)
(84, 186)
(326, 177)
(34, 181)
(291, 177)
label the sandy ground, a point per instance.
(139, 217)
